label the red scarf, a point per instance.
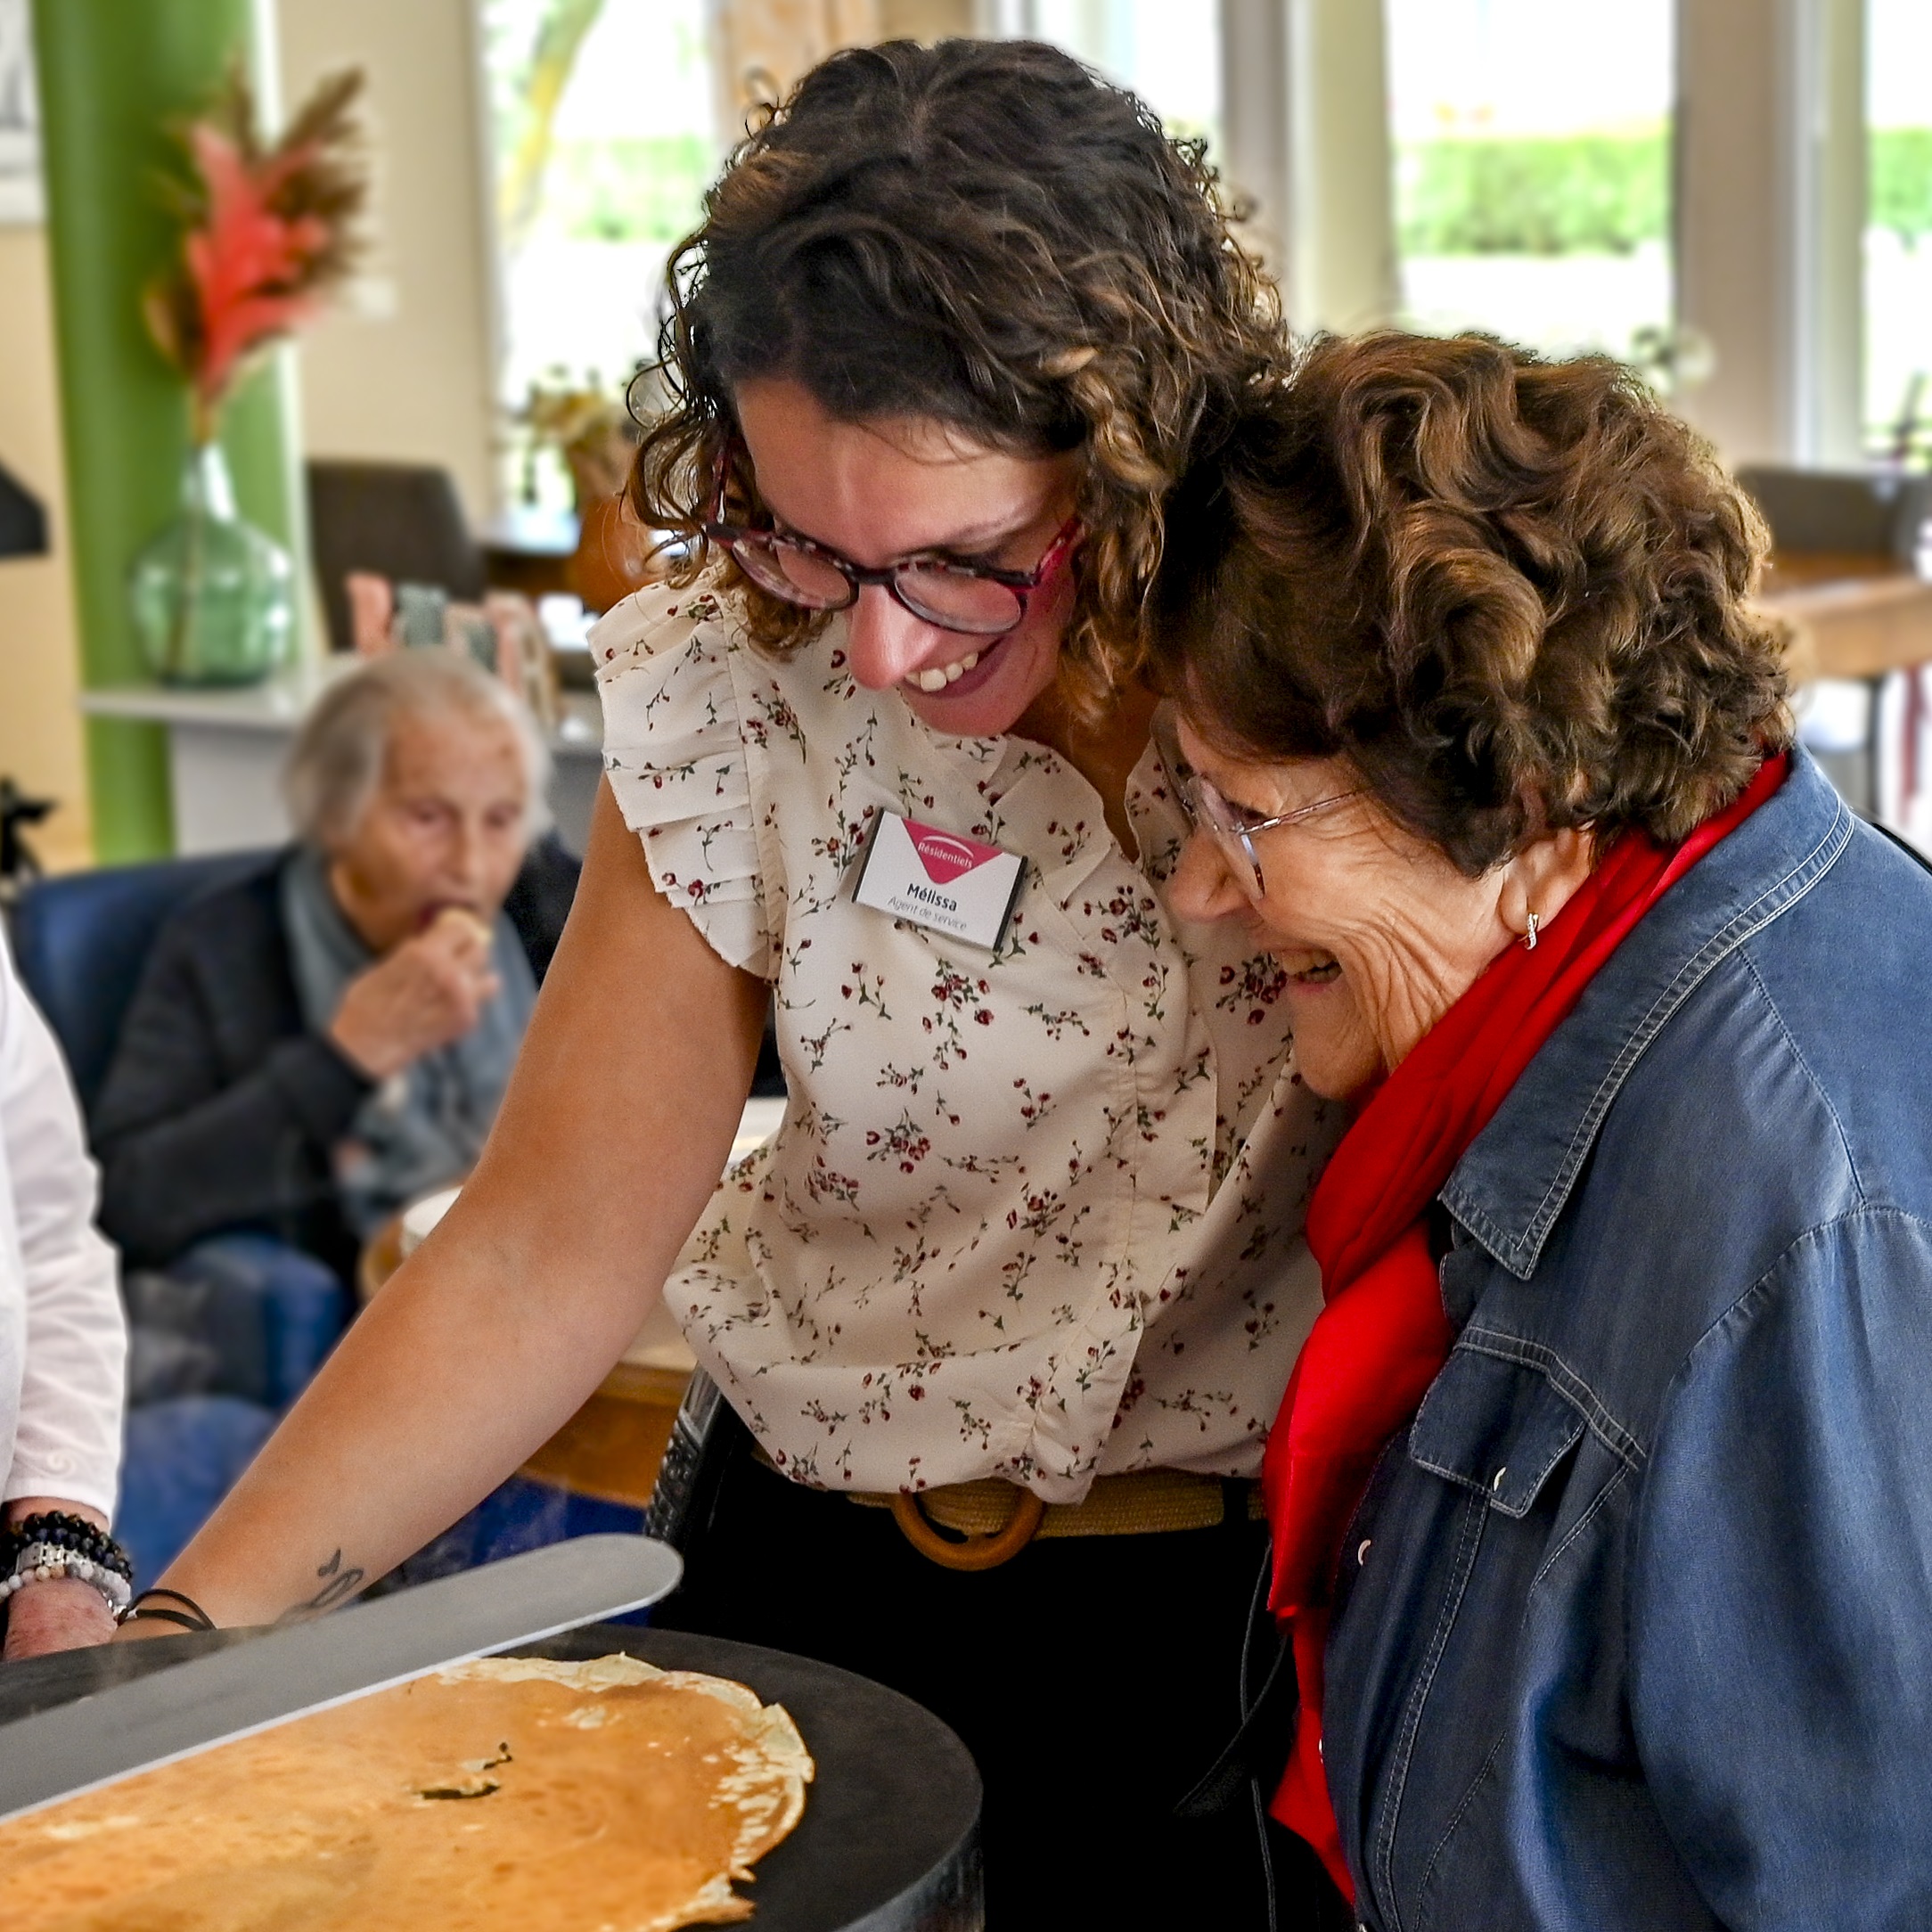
(1382, 1337)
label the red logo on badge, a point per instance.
(945, 856)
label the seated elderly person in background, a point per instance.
(1602, 1524)
(328, 1038)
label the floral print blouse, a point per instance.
(1033, 1213)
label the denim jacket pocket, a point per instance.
(1493, 1425)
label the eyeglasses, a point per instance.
(1207, 811)
(973, 598)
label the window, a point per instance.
(603, 144)
(1167, 51)
(20, 118)
(603, 138)
(1532, 168)
(1898, 231)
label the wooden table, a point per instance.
(611, 1447)
(529, 549)
(1851, 616)
(600, 557)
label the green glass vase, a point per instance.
(213, 597)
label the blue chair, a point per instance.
(262, 1313)
(81, 940)
(259, 1314)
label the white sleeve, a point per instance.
(66, 1441)
(675, 760)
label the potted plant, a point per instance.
(266, 231)
(596, 435)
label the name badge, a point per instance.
(932, 877)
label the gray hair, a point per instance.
(336, 761)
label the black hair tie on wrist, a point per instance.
(195, 1617)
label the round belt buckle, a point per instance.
(981, 1552)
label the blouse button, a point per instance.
(1362, 1552)
(1496, 1481)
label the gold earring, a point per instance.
(1530, 938)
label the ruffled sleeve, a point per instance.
(675, 756)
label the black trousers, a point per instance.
(1094, 1679)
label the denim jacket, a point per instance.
(1634, 1625)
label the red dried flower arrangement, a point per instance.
(267, 231)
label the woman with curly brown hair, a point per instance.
(1007, 1304)
(1602, 1551)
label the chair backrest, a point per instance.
(399, 520)
(1858, 512)
(80, 942)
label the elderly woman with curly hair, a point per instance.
(1602, 1530)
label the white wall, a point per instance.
(40, 731)
(405, 372)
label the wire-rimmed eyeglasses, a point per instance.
(1207, 811)
(978, 600)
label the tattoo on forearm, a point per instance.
(337, 1585)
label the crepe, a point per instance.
(597, 1797)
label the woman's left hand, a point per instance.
(62, 1614)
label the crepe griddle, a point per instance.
(889, 1841)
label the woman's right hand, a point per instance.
(426, 994)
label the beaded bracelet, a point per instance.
(45, 1562)
(53, 1543)
(64, 1531)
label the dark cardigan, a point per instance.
(220, 1108)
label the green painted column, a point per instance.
(114, 76)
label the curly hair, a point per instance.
(984, 234)
(1512, 593)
